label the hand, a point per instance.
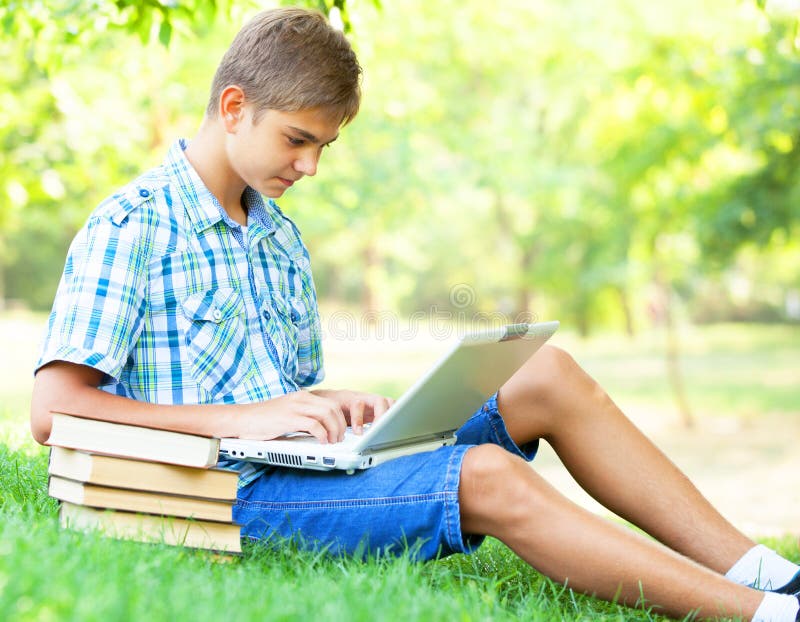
(300, 411)
(358, 408)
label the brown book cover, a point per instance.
(141, 475)
(151, 528)
(130, 441)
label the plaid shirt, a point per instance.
(177, 304)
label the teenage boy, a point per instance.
(187, 304)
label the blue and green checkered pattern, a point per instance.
(178, 304)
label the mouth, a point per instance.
(286, 182)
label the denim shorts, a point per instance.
(406, 504)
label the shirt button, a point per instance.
(217, 315)
(144, 193)
(265, 313)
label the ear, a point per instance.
(231, 107)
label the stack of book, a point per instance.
(142, 484)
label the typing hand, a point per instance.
(300, 411)
(358, 408)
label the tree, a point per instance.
(77, 72)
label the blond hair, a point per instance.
(291, 59)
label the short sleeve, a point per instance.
(101, 298)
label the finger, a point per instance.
(314, 428)
(301, 411)
(381, 405)
(357, 415)
(331, 415)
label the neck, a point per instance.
(206, 153)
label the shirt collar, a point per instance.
(202, 207)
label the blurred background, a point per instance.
(609, 163)
(630, 169)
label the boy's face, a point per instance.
(280, 148)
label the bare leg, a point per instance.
(500, 495)
(552, 398)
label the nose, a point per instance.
(307, 164)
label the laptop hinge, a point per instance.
(408, 441)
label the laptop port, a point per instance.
(311, 459)
(328, 461)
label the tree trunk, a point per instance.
(524, 296)
(523, 300)
(582, 319)
(625, 303)
(528, 253)
(672, 354)
(2, 276)
(368, 297)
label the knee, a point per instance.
(492, 483)
(544, 377)
(551, 362)
(486, 465)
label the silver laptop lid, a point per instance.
(440, 401)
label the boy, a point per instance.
(187, 303)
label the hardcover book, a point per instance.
(151, 528)
(141, 475)
(81, 493)
(130, 441)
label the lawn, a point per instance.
(49, 574)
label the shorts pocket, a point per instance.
(216, 340)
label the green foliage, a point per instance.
(48, 29)
(586, 162)
(332, 7)
(567, 172)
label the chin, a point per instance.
(270, 191)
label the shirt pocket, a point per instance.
(216, 340)
(284, 325)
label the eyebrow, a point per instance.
(309, 136)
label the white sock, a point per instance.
(777, 608)
(762, 568)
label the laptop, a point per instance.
(424, 418)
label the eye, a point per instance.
(296, 142)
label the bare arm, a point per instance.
(71, 388)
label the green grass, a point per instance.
(728, 369)
(50, 574)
